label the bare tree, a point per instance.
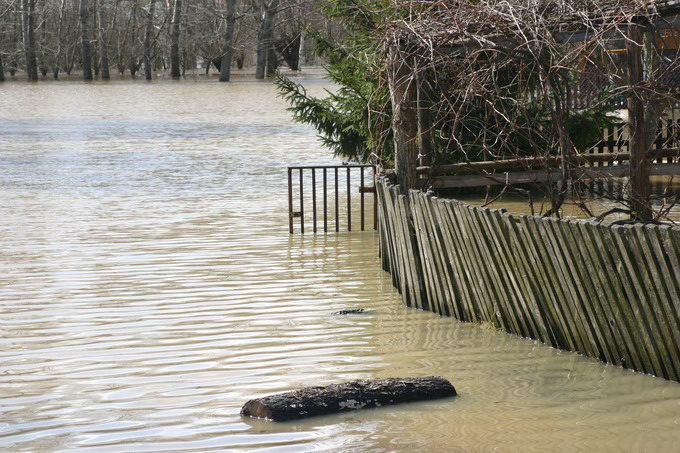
(59, 35)
(28, 25)
(60, 24)
(225, 67)
(84, 13)
(174, 40)
(265, 35)
(148, 36)
(103, 41)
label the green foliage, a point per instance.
(338, 124)
(348, 119)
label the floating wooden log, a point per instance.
(347, 396)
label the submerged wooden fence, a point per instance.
(609, 292)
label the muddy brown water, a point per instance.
(149, 287)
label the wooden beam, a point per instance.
(532, 162)
(404, 98)
(639, 165)
(531, 177)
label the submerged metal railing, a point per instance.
(296, 177)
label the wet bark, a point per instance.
(84, 12)
(348, 396)
(28, 26)
(174, 40)
(148, 35)
(228, 52)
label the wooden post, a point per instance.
(424, 114)
(639, 165)
(404, 97)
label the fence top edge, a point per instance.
(517, 217)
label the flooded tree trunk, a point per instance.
(272, 61)
(85, 40)
(174, 40)
(28, 25)
(264, 37)
(60, 30)
(225, 66)
(261, 59)
(289, 48)
(348, 396)
(148, 35)
(103, 42)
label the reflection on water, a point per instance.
(149, 288)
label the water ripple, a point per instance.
(149, 288)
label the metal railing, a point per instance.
(335, 173)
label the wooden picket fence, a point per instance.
(609, 292)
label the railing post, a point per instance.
(302, 206)
(290, 200)
(349, 202)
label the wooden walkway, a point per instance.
(612, 293)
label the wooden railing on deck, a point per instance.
(485, 173)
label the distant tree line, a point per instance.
(45, 38)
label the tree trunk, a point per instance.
(404, 99)
(289, 48)
(28, 25)
(148, 35)
(175, 70)
(264, 38)
(103, 42)
(301, 52)
(2, 70)
(85, 40)
(347, 396)
(261, 59)
(272, 61)
(225, 65)
(60, 29)
(640, 208)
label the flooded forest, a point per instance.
(212, 202)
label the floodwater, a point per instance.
(149, 287)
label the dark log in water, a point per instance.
(352, 311)
(347, 396)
